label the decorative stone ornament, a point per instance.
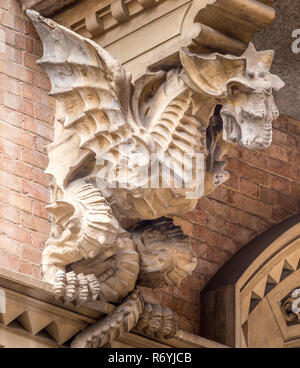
(111, 208)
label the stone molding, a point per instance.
(35, 319)
(124, 28)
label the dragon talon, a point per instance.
(59, 284)
(83, 290)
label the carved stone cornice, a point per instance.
(129, 29)
(34, 318)
(32, 310)
(46, 7)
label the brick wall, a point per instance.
(264, 188)
(26, 115)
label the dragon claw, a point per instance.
(79, 288)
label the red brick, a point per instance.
(9, 246)
(13, 6)
(279, 199)
(244, 170)
(11, 116)
(294, 143)
(220, 194)
(216, 223)
(38, 240)
(248, 188)
(175, 304)
(233, 182)
(36, 272)
(240, 234)
(295, 158)
(196, 216)
(14, 232)
(30, 30)
(23, 42)
(278, 152)
(210, 253)
(30, 60)
(35, 158)
(10, 149)
(192, 311)
(24, 267)
(293, 127)
(19, 72)
(35, 223)
(206, 268)
(44, 113)
(9, 261)
(38, 128)
(15, 199)
(280, 185)
(280, 214)
(220, 209)
(31, 254)
(16, 135)
(279, 137)
(281, 123)
(35, 191)
(213, 238)
(8, 20)
(280, 168)
(19, 24)
(38, 48)
(249, 221)
(250, 205)
(252, 158)
(31, 93)
(40, 210)
(12, 54)
(188, 325)
(296, 191)
(11, 85)
(40, 144)
(9, 36)
(9, 214)
(42, 81)
(196, 281)
(187, 293)
(10, 181)
(15, 167)
(40, 177)
(27, 108)
(10, 100)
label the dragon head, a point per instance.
(243, 86)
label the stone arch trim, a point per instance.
(251, 290)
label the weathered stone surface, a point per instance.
(209, 104)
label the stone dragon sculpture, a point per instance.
(111, 233)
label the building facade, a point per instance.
(237, 285)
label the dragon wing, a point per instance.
(168, 109)
(93, 94)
